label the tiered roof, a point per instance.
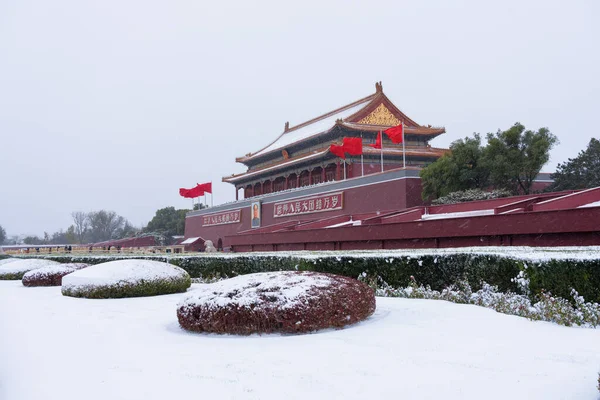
(371, 114)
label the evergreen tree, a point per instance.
(511, 160)
(462, 169)
(167, 221)
(515, 157)
(580, 172)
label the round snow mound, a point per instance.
(286, 302)
(51, 275)
(126, 278)
(16, 269)
(7, 260)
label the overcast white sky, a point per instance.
(116, 104)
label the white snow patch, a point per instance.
(19, 266)
(347, 223)
(190, 240)
(121, 272)
(53, 270)
(463, 214)
(7, 260)
(594, 204)
(286, 288)
(309, 130)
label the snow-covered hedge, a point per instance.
(14, 270)
(51, 275)
(6, 260)
(557, 270)
(126, 278)
(287, 302)
(546, 307)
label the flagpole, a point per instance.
(212, 203)
(344, 169)
(381, 148)
(205, 203)
(403, 148)
(362, 162)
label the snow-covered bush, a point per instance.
(126, 278)
(287, 302)
(51, 275)
(437, 268)
(546, 308)
(14, 270)
(471, 195)
(6, 260)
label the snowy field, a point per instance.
(56, 347)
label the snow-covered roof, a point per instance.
(277, 166)
(347, 223)
(190, 240)
(462, 214)
(307, 130)
(594, 204)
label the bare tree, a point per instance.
(81, 223)
(105, 225)
(2, 234)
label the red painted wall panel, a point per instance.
(384, 196)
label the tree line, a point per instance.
(509, 161)
(103, 225)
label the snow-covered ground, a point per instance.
(56, 347)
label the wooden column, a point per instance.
(322, 174)
(237, 191)
(309, 177)
(337, 170)
(262, 187)
(285, 186)
(298, 179)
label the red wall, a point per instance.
(383, 196)
(574, 227)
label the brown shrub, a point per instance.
(51, 275)
(286, 302)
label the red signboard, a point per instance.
(307, 205)
(228, 217)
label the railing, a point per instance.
(83, 250)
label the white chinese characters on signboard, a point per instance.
(229, 217)
(328, 202)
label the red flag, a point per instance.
(377, 144)
(353, 146)
(396, 133)
(191, 193)
(337, 150)
(205, 187)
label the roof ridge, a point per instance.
(329, 114)
(288, 130)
